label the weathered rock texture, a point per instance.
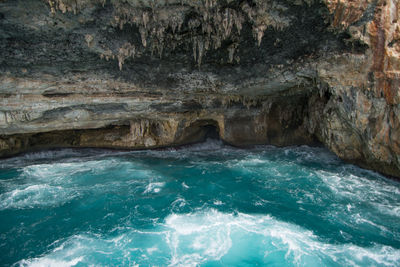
(146, 74)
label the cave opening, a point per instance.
(199, 131)
(211, 132)
(205, 129)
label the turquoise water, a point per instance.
(208, 205)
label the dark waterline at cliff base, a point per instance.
(207, 204)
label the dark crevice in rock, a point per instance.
(212, 132)
(199, 131)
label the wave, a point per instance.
(32, 157)
(213, 235)
(57, 155)
(53, 184)
(210, 236)
(305, 180)
(35, 196)
(65, 170)
(382, 194)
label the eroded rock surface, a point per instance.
(145, 74)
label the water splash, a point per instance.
(211, 236)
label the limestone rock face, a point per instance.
(145, 74)
(361, 120)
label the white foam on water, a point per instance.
(151, 250)
(209, 236)
(178, 203)
(199, 234)
(40, 195)
(126, 249)
(154, 187)
(248, 161)
(35, 156)
(370, 202)
(44, 262)
(358, 187)
(204, 236)
(42, 185)
(264, 167)
(208, 145)
(56, 171)
(312, 154)
(388, 209)
(59, 154)
(196, 238)
(218, 202)
(63, 171)
(253, 161)
(315, 155)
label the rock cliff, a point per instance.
(146, 74)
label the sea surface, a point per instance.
(202, 205)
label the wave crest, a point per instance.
(211, 236)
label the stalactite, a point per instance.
(194, 44)
(231, 50)
(89, 40)
(160, 24)
(259, 33)
(143, 36)
(200, 45)
(107, 55)
(145, 19)
(125, 52)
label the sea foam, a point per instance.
(212, 236)
(207, 204)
